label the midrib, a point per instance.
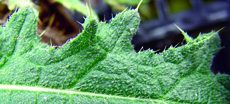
(40, 89)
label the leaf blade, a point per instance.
(98, 63)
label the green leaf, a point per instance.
(100, 66)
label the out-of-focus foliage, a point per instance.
(147, 9)
(78, 6)
(70, 4)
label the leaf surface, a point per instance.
(101, 66)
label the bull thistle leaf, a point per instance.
(101, 66)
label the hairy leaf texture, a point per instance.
(101, 66)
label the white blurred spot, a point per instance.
(44, 97)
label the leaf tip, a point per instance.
(186, 36)
(139, 5)
(42, 33)
(89, 9)
(124, 10)
(220, 29)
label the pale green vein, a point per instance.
(68, 92)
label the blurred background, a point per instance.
(156, 31)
